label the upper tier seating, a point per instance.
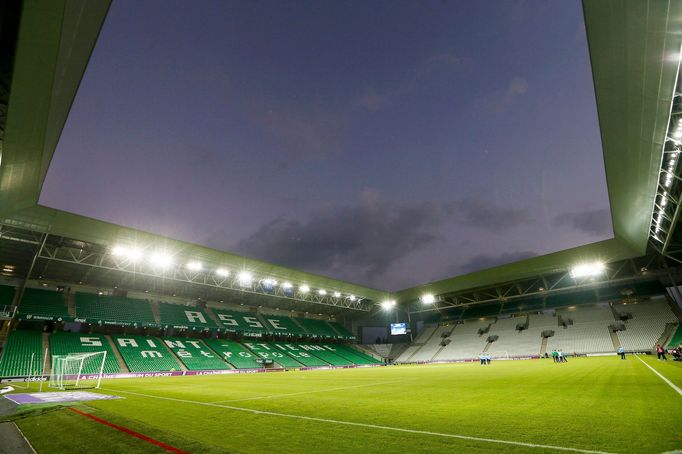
(113, 309)
(432, 345)
(299, 354)
(283, 326)
(232, 352)
(195, 355)
(339, 328)
(181, 316)
(266, 351)
(646, 326)
(318, 328)
(145, 354)
(63, 343)
(239, 322)
(43, 304)
(465, 343)
(16, 357)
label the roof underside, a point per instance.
(630, 42)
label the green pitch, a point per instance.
(601, 404)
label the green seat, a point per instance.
(234, 353)
(62, 343)
(184, 317)
(113, 309)
(16, 358)
(145, 354)
(194, 354)
(43, 303)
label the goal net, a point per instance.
(77, 370)
(499, 355)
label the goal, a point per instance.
(500, 355)
(77, 370)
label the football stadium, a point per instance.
(123, 338)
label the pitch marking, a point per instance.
(275, 396)
(358, 424)
(671, 384)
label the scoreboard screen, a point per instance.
(398, 328)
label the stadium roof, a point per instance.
(634, 49)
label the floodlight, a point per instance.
(194, 266)
(304, 289)
(222, 272)
(287, 286)
(125, 252)
(161, 259)
(351, 297)
(388, 304)
(428, 298)
(587, 270)
(269, 282)
(245, 278)
(322, 292)
(337, 295)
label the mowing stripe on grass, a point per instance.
(671, 384)
(341, 388)
(359, 424)
(158, 443)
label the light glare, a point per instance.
(587, 270)
(428, 298)
(194, 266)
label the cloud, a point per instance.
(479, 214)
(360, 241)
(371, 101)
(501, 100)
(485, 261)
(298, 134)
(595, 222)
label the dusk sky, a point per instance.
(384, 143)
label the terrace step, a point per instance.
(70, 302)
(667, 333)
(155, 311)
(212, 315)
(615, 340)
(46, 348)
(422, 345)
(543, 347)
(121, 363)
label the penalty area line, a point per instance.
(671, 384)
(130, 432)
(359, 424)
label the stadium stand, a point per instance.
(318, 328)
(420, 340)
(352, 354)
(676, 339)
(6, 295)
(266, 351)
(465, 342)
(646, 326)
(63, 343)
(586, 330)
(184, 317)
(299, 354)
(16, 356)
(433, 344)
(195, 355)
(113, 309)
(246, 323)
(234, 353)
(283, 326)
(341, 330)
(526, 342)
(43, 304)
(145, 354)
(325, 354)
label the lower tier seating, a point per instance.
(325, 354)
(145, 354)
(22, 354)
(676, 339)
(299, 354)
(268, 352)
(233, 352)
(353, 354)
(62, 343)
(195, 355)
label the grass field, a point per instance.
(602, 404)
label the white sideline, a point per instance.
(275, 396)
(671, 384)
(358, 424)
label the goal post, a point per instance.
(499, 355)
(69, 371)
